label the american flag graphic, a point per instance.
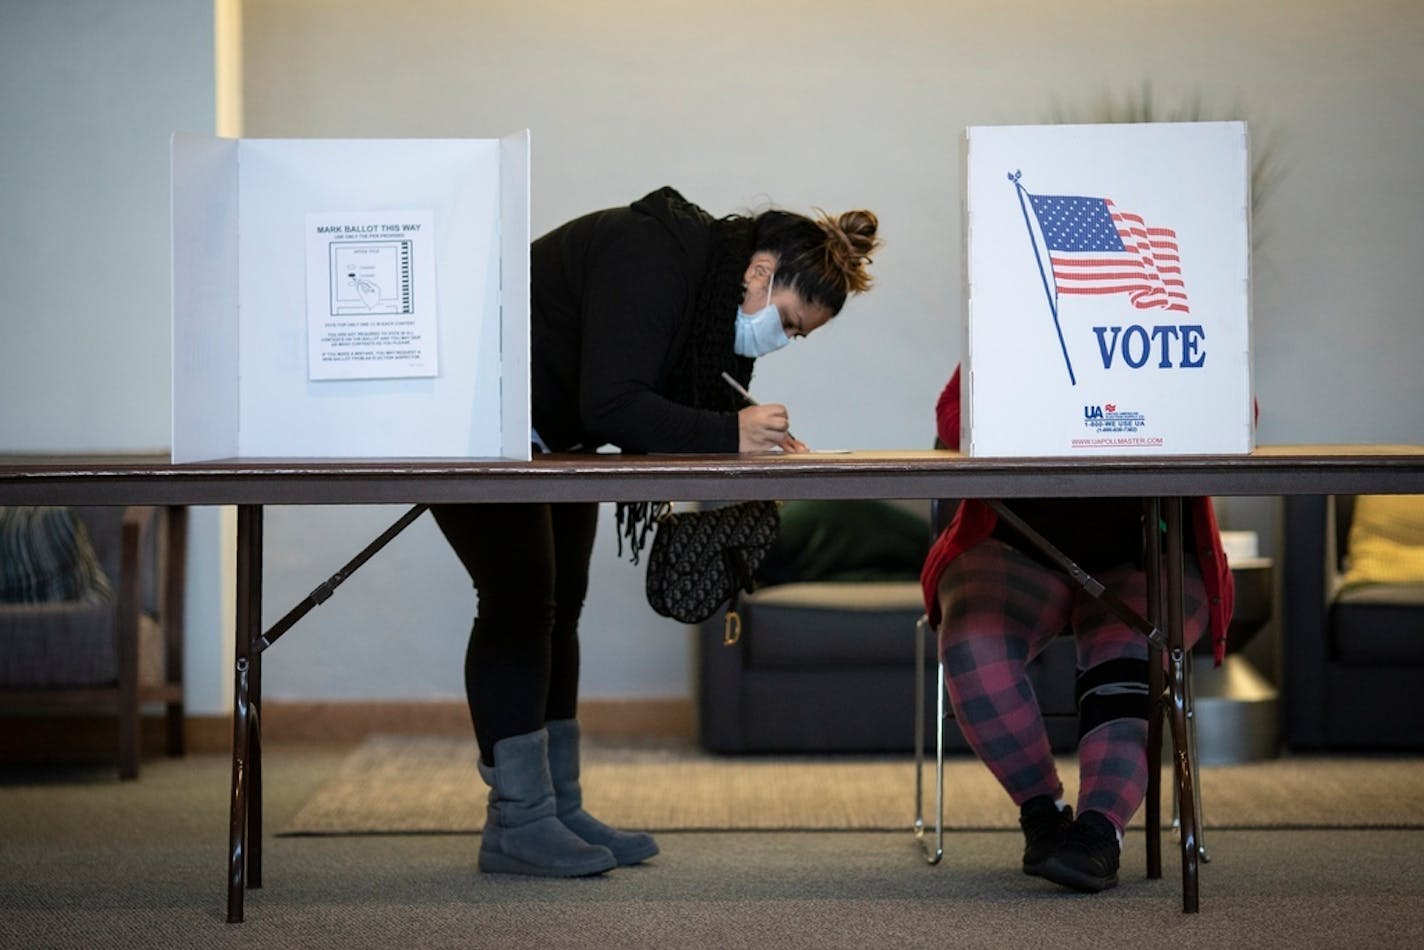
(1097, 249)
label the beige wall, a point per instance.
(842, 103)
(828, 103)
(90, 91)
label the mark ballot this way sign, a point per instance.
(1107, 290)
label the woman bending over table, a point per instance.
(637, 311)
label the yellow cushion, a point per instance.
(1386, 540)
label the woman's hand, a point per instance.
(793, 444)
(764, 428)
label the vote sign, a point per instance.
(1107, 290)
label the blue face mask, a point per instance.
(760, 333)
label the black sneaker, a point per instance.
(1087, 859)
(1043, 826)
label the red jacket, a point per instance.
(974, 521)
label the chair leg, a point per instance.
(174, 547)
(126, 646)
(1182, 753)
(931, 855)
(1153, 815)
(174, 740)
(128, 739)
(1195, 763)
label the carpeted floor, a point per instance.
(88, 861)
(428, 785)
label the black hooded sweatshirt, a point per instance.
(613, 303)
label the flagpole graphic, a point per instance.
(1052, 295)
(1094, 249)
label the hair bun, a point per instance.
(850, 240)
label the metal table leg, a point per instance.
(245, 821)
(1156, 687)
(249, 530)
(254, 725)
(1182, 746)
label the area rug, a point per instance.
(429, 785)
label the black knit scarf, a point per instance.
(704, 353)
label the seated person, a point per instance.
(997, 601)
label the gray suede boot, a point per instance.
(628, 847)
(522, 835)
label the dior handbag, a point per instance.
(701, 559)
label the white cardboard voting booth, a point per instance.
(1107, 290)
(350, 298)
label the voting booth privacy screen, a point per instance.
(1107, 290)
(350, 298)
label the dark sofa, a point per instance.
(830, 667)
(1353, 660)
(826, 658)
(828, 664)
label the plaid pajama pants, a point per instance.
(1000, 609)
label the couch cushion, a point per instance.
(1386, 540)
(829, 624)
(57, 644)
(856, 540)
(1379, 625)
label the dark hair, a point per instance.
(825, 260)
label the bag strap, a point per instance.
(743, 580)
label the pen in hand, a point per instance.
(742, 391)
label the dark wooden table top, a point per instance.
(153, 479)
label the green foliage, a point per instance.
(1141, 105)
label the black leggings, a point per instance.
(529, 565)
